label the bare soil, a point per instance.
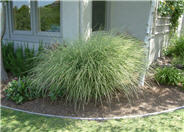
(152, 98)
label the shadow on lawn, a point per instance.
(18, 121)
(21, 122)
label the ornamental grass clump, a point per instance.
(92, 70)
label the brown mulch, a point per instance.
(152, 98)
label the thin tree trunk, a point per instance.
(4, 75)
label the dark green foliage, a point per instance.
(95, 69)
(18, 61)
(19, 91)
(178, 61)
(176, 47)
(176, 50)
(168, 75)
(169, 51)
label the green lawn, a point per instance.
(13, 121)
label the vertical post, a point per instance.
(4, 76)
(147, 39)
(85, 19)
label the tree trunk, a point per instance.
(4, 76)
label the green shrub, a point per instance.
(18, 61)
(91, 70)
(19, 91)
(179, 47)
(176, 48)
(168, 75)
(178, 61)
(169, 50)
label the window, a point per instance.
(34, 21)
(98, 15)
(49, 16)
(21, 15)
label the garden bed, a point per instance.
(153, 98)
(94, 71)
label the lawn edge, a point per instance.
(97, 118)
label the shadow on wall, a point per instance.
(158, 43)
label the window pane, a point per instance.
(98, 15)
(49, 15)
(21, 15)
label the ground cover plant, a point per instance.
(18, 62)
(21, 122)
(169, 76)
(19, 90)
(84, 71)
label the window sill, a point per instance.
(33, 38)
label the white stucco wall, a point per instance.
(85, 19)
(159, 37)
(70, 20)
(130, 16)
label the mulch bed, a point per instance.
(152, 98)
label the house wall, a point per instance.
(71, 20)
(130, 16)
(159, 37)
(85, 18)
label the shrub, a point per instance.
(168, 75)
(176, 48)
(19, 91)
(91, 70)
(178, 61)
(179, 47)
(18, 61)
(169, 50)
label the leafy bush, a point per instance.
(20, 91)
(178, 61)
(18, 61)
(91, 70)
(179, 47)
(168, 75)
(176, 49)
